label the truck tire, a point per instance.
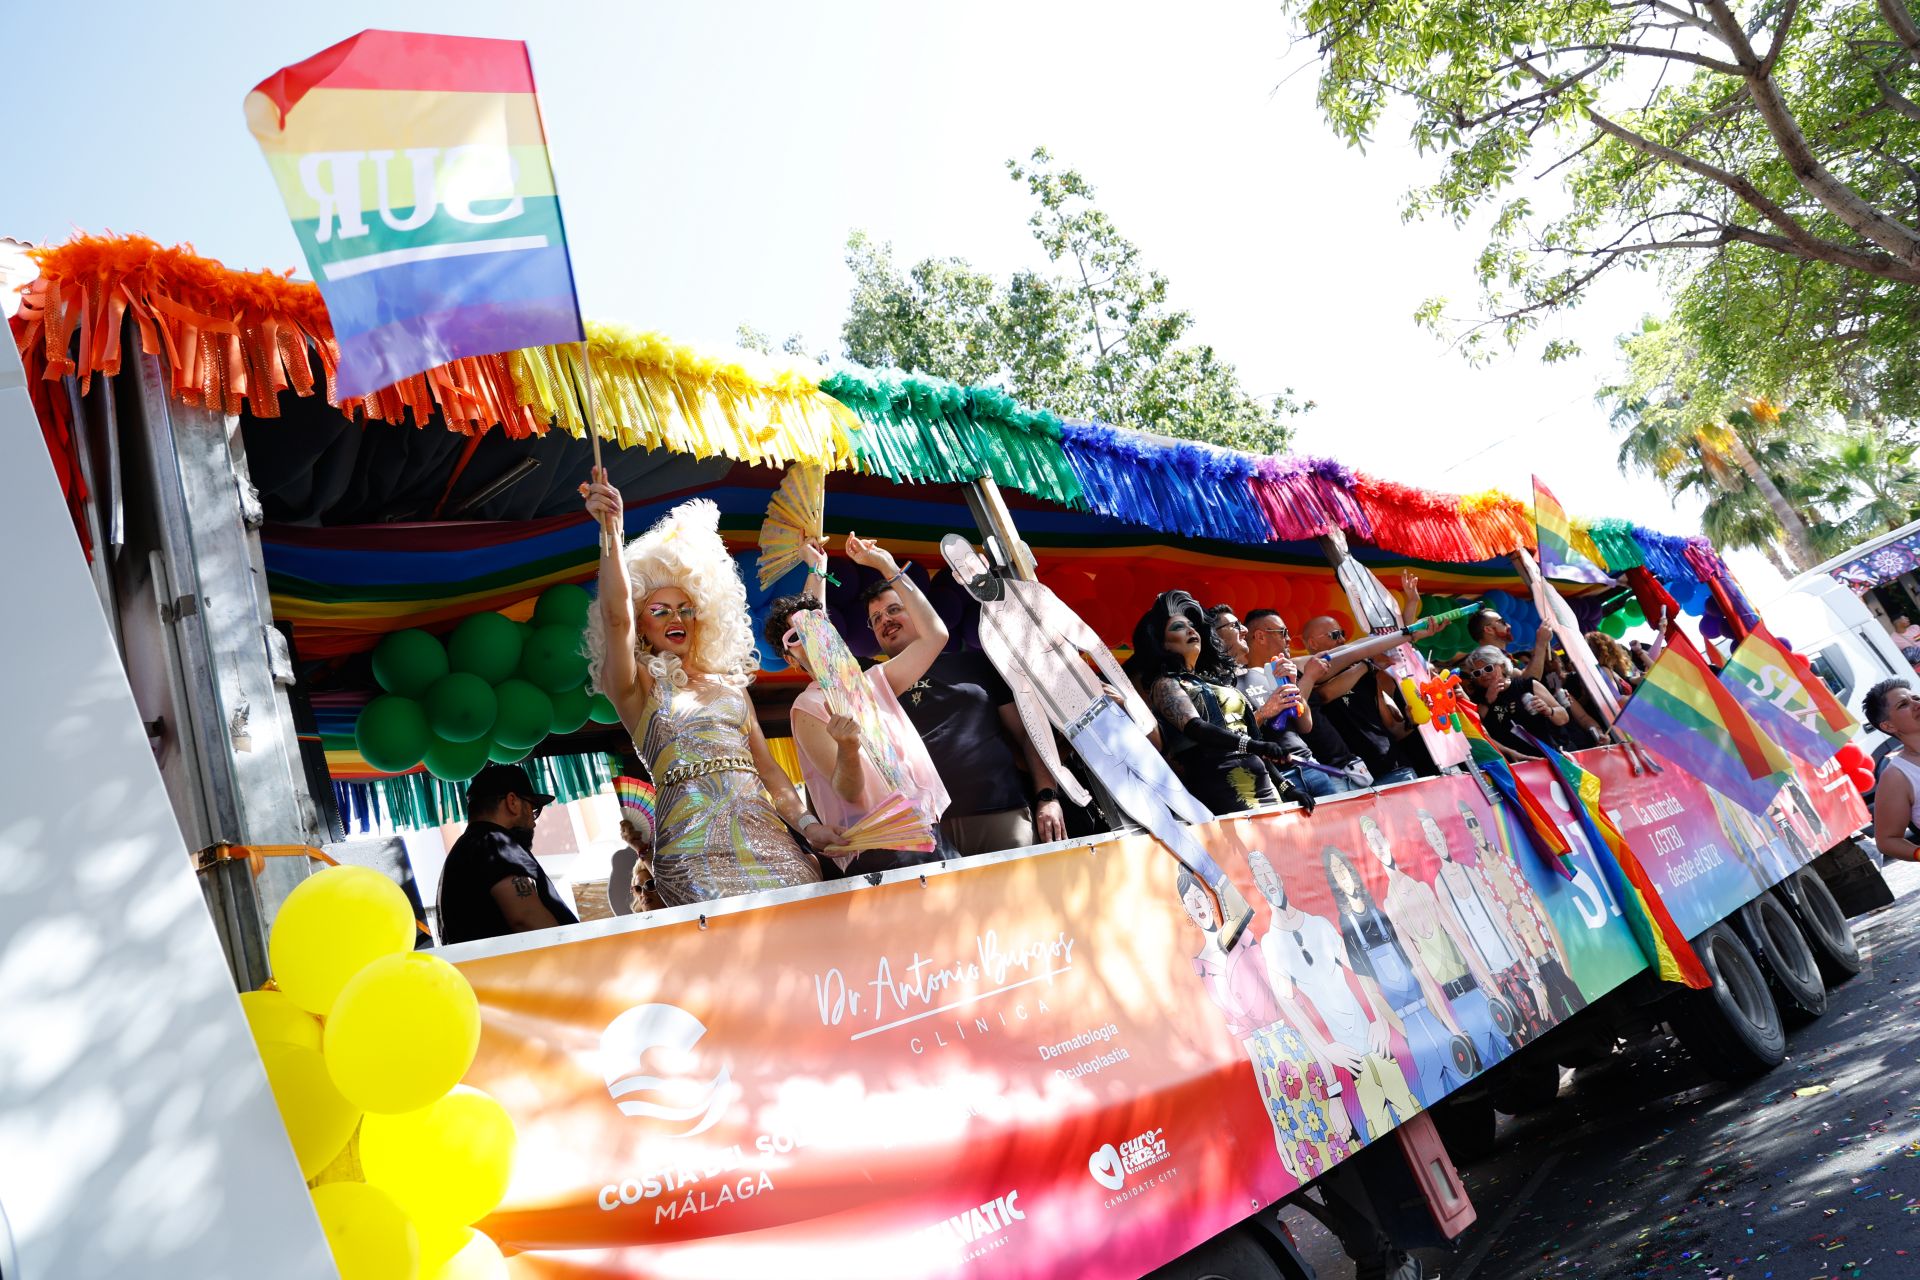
(1732, 1029)
(1234, 1254)
(1828, 934)
(1786, 959)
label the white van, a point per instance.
(1834, 630)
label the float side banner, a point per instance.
(414, 168)
(1709, 855)
(1035, 1067)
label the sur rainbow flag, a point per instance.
(1765, 667)
(1667, 950)
(415, 170)
(1683, 712)
(1487, 758)
(1565, 553)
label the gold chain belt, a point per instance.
(719, 764)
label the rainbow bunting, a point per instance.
(1566, 554)
(1487, 758)
(1668, 952)
(1683, 712)
(415, 170)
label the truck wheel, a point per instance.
(1828, 934)
(1732, 1029)
(1786, 959)
(1234, 1254)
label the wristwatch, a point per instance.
(1043, 795)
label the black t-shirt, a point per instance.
(483, 856)
(1507, 713)
(1355, 716)
(956, 708)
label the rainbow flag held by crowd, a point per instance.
(415, 170)
(1764, 665)
(1566, 554)
(1668, 952)
(1487, 758)
(1683, 712)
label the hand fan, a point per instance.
(893, 824)
(847, 690)
(796, 514)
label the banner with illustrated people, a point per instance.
(1046, 1065)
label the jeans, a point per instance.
(1315, 783)
(1404, 773)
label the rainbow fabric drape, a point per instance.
(1566, 554)
(1684, 713)
(415, 170)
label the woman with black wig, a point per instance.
(1206, 724)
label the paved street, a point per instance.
(1646, 1167)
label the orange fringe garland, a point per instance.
(1416, 522)
(1498, 522)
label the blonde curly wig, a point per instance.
(685, 550)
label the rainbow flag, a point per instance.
(1763, 659)
(1565, 552)
(415, 170)
(1487, 758)
(1683, 712)
(1763, 678)
(1668, 952)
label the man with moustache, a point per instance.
(1306, 957)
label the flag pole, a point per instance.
(609, 536)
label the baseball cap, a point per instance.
(498, 781)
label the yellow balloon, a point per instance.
(319, 1121)
(447, 1162)
(479, 1259)
(370, 1238)
(275, 1019)
(402, 1033)
(439, 1241)
(331, 927)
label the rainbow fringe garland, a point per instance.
(234, 341)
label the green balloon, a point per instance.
(563, 605)
(1634, 614)
(1613, 625)
(570, 709)
(461, 707)
(391, 733)
(525, 716)
(554, 659)
(486, 645)
(407, 662)
(600, 710)
(457, 761)
(508, 755)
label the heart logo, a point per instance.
(1104, 1165)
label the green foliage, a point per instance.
(1095, 338)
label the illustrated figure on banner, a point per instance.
(1442, 1055)
(1298, 1086)
(671, 645)
(1042, 650)
(1528, 919)
(1467, 897)
(1307, 962)
(1445, 951)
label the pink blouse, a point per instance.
(923, 787)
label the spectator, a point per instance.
(1571, 692)
(1230, 630)
(1207, 726)
(843, 783)
(1363, 706)
(1614, 660)
(1487, 626)
(1905, 633)
(1508, 706)
(1893, 709)
(491, 884)
(1312, 746)
(966, 717)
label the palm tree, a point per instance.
(1870, 480)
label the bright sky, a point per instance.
(711, 159)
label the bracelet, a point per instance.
(1043, 795)
(822, 573)
(807, 820)
(897, 576)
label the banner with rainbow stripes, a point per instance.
(415, 170)
(1566, 554)
(1683, 712)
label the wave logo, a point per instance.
(1106, 1168)
(672, 1032)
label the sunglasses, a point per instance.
(1336, 634)
(665, 612)
(535, 805)
(1272, 631)
(1477, 672)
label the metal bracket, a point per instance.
(179, 607)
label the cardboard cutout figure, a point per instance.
(1042, 648)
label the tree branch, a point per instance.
(1780, 33)
(1900, 18)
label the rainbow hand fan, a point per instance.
(636, 797)
(893, 824)
(796, 513)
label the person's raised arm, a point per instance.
(780, 789)
(622, 679)
(519, 901)
(912, 662)
(1542, 647)
(1892, 814)
(814, 556)
(1409, 597)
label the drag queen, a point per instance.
(671, 644)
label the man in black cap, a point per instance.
(491, 883)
